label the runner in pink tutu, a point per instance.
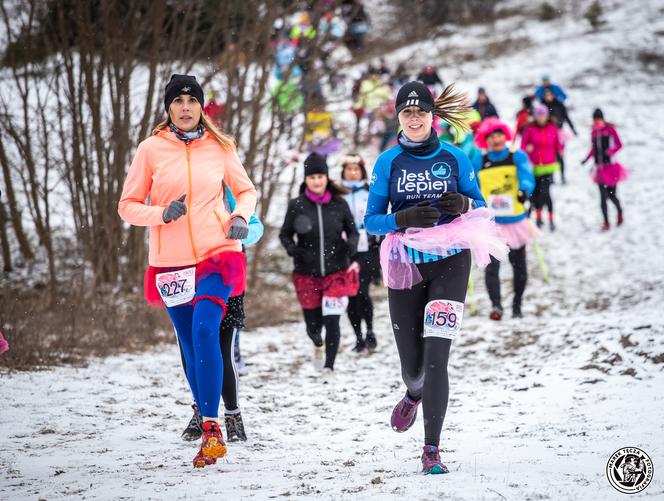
(541, 141)
(605, 143)
(437, 219)
(506, 180)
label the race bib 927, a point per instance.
(442, 318)
(177, 287)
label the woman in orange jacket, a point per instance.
(175, 185)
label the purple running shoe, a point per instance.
(431, 463)
(404, 414)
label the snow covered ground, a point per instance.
(537, 406)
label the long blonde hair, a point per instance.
(225, 140)
(452, 107)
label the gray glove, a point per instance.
(175, 209)
(238, 229)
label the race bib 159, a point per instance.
(442, 318)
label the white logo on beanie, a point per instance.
(413, 94)
(186, 89)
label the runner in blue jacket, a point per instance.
(506, 180)
(428, 184)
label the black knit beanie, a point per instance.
(182, 84)
(598, 115)
(414, 94)
(315, 164)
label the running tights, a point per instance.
(315, 321)
(424, 359)
(197, 328)
(541, 195)
(608, 192)
(518, 260)
(229, 332)
(360, 307)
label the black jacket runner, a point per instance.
(305, 219)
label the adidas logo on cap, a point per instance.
(186, 89)
(413, 94)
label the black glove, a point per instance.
(454, 203)
(521, 196)
(296, 252)
(177, 208)
(238, 229)
(422, 215)
(583, 162)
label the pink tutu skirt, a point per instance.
(476, 230)
(231, 265)
(518, 234)
(610, 174)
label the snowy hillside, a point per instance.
(537, 406)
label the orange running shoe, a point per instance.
(201, 461)
(213, 445)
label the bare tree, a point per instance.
(89, 76)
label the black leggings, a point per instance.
(424, 359)
(314, 320)
(492, 279)
(541, 195)
(610, 193)
(231, 383)
(360, 307)
(561, 160)
(229, 328)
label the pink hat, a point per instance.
(540, 110)
(489, 126)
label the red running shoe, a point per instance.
(212, 446)
(496, 313)
(620, 219)
(606, 227)
(201, 461)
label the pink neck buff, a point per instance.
(325, 198)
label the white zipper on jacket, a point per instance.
(319, 209)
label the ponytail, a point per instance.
(452, 107)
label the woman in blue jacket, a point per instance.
(425, 256)
(360, 307)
